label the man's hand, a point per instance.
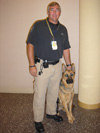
(69, 68)
(33, 71)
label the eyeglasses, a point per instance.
(57, 9)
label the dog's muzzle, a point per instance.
(69, 81)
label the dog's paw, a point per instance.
(73, 117)
(70, 121)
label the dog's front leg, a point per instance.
(70, 107)
(67, 112)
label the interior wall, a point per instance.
(16, 18)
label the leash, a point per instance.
(57, 109)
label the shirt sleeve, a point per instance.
(32, 35)
(66, 40)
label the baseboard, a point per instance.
(88, 106)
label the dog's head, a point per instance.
(68, 76)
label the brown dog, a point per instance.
(66, 91)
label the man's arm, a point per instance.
(66, 54)
(30, 54)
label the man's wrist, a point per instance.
(32, 66)
(69, 65)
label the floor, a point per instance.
(16, 116)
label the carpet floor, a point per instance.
(16, 116)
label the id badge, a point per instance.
(54, 45)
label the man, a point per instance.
(47, 42)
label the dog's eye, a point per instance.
(71, 74)
(66, 75)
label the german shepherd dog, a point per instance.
(66, 92)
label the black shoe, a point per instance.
(39, 127)
(55, 117)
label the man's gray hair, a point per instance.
(53, 4)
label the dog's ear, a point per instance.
(63, 67)
(73, 67)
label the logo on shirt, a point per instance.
(62, 34)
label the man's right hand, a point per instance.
(33, 71)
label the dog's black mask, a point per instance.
(69, 81)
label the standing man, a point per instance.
(47, 42)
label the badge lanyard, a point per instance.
(53, 42)
(50, 29)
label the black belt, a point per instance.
(47, 62)
(51, 62)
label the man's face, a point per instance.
(54, 14)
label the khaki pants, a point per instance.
(46, 86)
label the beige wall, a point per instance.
(16, 17)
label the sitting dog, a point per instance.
(66, 92)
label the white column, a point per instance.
(89, 57)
